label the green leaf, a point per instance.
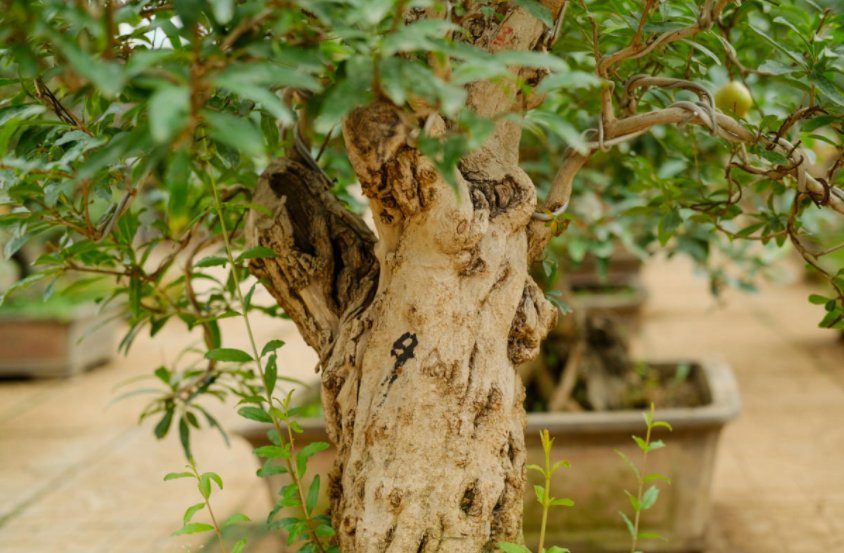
(540, 494)
(231, 355)
(560, 464)
(537, 468)
(776, 44)
(419, 35)
(271, 373)
(306, 453)
(508, 547)
(258, 252)
(25, 283)
(634, 501)
(557, 549)
(163, 425)
(223, 10)
(192, 510)
(238, 547)
(234, 519)
(204, 483)
(273, 451)
(562, 502)
(313, 495)
(176, 475)
(649, 497)
(643, 445)
(818, 299)
(652, 536)
(828, 88)
(271, 346)
(656, 476)
(627, 522)
(255, 414)
(107, 76)
(629, 463)
(236, 132)
(193, 528)
(168, 112)
(212, 261)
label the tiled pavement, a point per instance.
(78, 475)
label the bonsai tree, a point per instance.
(157, 134)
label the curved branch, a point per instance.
(680, 113)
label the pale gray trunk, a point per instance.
(418, 333)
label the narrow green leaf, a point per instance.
(176, 475)
(255, 414)
(271, 346)
(629, 524)
(163, 425)
(228, 354)
(306, 453)
(508, 547)
(238, 547)
(223, 10)
(168, 112)
(634, 501)
(537, 468)
(193, 528)
(562, 502)
(258, 252)
(273, 451)
(630, 464)
(313, 495)
(649, 497)
(271, 373)
(192, 510)
(234, 519)
(540, 494)
(212, 261)
(643, 445)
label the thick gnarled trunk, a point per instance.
(420, 332)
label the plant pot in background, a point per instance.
(598, 475)
(54, 346)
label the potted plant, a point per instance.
(180, 146)
(55, 331)
(590, 442)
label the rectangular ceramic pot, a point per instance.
(598, 476)
(54, 347)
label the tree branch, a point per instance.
(678, 114)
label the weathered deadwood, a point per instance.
(324, 262)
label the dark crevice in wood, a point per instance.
(325, 262)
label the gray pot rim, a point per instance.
(717, 376)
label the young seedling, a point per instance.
(203, 484)
(644, 499)
(543, 495)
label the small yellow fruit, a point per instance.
(734, 98)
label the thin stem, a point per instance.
(641, 490)
(217, 529)
(546, 501)
(291, 469)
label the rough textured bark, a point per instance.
(420, 390)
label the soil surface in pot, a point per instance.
(585, 365)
